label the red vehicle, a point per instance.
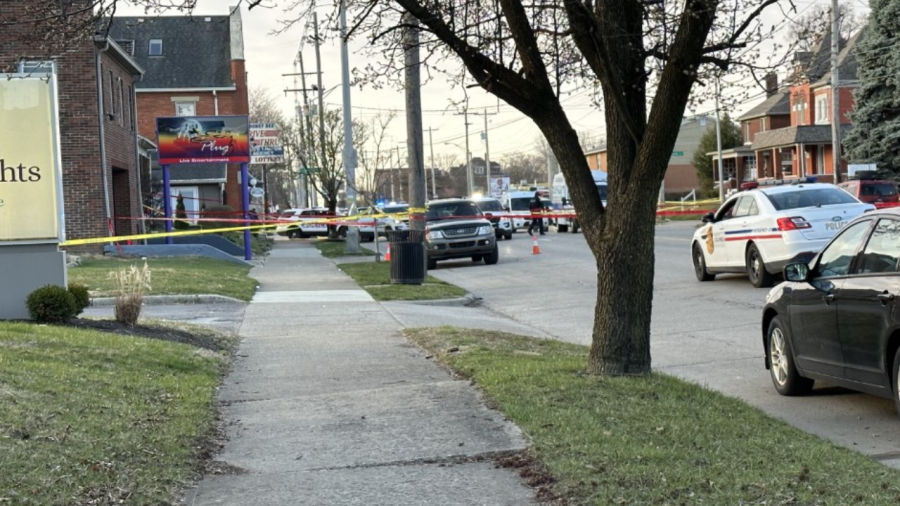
(878, 192)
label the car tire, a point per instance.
(508, 236)
(574, 226)
(432, 264)
(476, 258)
(562, 228)
(785, 377)
(493, 257)
(756, 268)
(700, 264)
(896, 380)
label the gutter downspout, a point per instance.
(136, 78)
(216, 100)
(101, 117)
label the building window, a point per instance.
(155, 47)
(750, 168)
(185, 108)
(822, 109)
(112, 96)
(747, 133)
(133, 121)
(122, 102)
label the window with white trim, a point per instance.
(156, 47)
(821, 109)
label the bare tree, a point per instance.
(644, 58)
(810, 28)
(520, 166)
(374, 157)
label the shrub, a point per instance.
(81, 295)
(181, 214)
(51, 304)
(130, 286)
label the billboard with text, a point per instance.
(203, 139)
(30, 174)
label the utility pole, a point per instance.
(310, 154)
(399, 174)
(434, 194)
(392, 173)
(835, 93)
(719, 147)
(549, 166)
(321, 91)
(487, 158)
(470, 177)
(351, 244)
(414, 142)
(304, 187)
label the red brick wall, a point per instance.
(83, 194)
(681, 178)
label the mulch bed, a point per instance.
(159, 332)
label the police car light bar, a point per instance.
(779, 182)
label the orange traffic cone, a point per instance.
(387, 255)
(535, 249)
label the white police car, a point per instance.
(759, 231)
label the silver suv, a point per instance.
(456, 228)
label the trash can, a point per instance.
(407, 257)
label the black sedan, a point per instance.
(837, 318)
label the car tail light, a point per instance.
(793, 223)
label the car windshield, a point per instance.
(395, 209)
(602, 189)
(878, 189)
(520, 204)
(449, 210)
(490, 205)
(816, 197)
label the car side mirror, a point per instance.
(708, 218)
(506, 208)
(796, 272)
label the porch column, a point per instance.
(801, 152)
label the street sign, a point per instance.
(310, 170)
(257, 192)
(266, 154)
(677, 153)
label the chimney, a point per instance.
(771, 84)
(237, 33)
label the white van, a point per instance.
(559, 196)
(517, 202)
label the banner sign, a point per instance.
(264, 154)
(30, 168)
(499, 186)
(203, 139)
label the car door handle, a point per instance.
(885, 297)
(828, 298)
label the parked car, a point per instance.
(367, 220)
(836, 318)
(300, 223)
(456, 228)
(760, 231)
(495, 213)
(878, 192)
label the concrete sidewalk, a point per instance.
(329, 405)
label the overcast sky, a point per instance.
(269, 56)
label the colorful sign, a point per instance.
(264, 154)
(203, 139)
(499, 186)
(30, 174)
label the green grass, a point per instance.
(334, 248)
(375, 278)
(97, 418)
(170, 276)
(656, 440)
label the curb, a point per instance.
(156, 300)
(468, 300)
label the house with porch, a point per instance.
(788, 135)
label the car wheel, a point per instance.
(784, 373)
(574, 226)
(562, 228)
(896, 378)
(492, 257)
(700, 265)
(756, 268)
(476, 258)
(432, 264)
(508, 236)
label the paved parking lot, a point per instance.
(708, 333)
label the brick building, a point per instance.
(788, 135)
(194, 67)
(97, 123)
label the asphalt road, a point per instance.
(708, 333)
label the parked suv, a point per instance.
(878, 192)
(498, 216)
(456, 228)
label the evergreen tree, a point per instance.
(703, 163)
(180, 214)
(876, 117)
